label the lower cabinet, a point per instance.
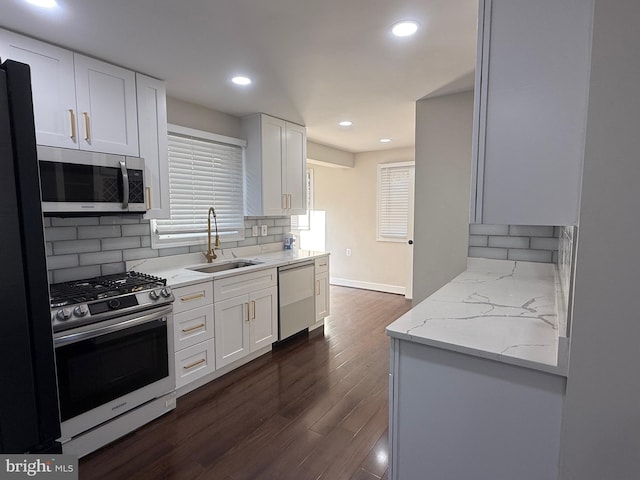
(193, 332)
(322, 289)
(246, 322)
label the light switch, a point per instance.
(264, 230)
(254, 231)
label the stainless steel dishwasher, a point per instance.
(297, 300)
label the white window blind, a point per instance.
(203, 173)
(393, 201)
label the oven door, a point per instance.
(107, 369)
(74, 181)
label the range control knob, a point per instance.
(81, 310)
(114, 303)
(64, 314)
(165, 292)
(153, 295)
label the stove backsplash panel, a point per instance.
(84, 247)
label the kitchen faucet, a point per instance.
(211, 254)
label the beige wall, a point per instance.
(201, 118)
(348, 195)
(323, 154)
(443, 172)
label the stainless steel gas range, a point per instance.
(112, 338)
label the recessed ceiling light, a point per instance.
(345, 123)
(385, 140)
(241, 80)
(43, 3)
(405, 28)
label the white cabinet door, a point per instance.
(152, 132)
(107, 112)
(322, 295)
(295, 169)
(231, 330)
(273, 148)
(530, 113)
(52, 85)
(264, 317)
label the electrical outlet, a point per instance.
(348, 252)
(254, 231)
(264, 230)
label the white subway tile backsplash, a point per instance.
(482, 229)
(78, 273)
(283, 222)
(119, 220)
(133, 230)
(74, 221)
(484, 252)
(97, 258)
(53, 234)
(248, 241)
(101, 231)
(548, 243)
(145, 241)
(111, 268)
(509, 242)
(120, 243)
(62, 261)
(165, 252)
(76, 246)
(530, 255)
(139, 253)
(46, 221)
(478, 240)
(531, 230)
(48, 246)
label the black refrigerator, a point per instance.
(29, 418)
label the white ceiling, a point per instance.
(314, 62)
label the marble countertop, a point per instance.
(176, 269)
(497, 309)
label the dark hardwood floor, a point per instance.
(316, 407)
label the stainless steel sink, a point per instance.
(222, 267)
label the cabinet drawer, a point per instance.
(193, 326)
(322, 264)
(192, 296)
(195, 362)
(230, 287)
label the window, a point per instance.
(205, 170)
(394, 194)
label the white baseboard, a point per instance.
(379, 287)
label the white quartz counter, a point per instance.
(497, 309)
(175, 270)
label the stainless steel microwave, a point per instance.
(75, 182)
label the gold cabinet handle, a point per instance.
(246, 311)
(148, 198)
(72, 121)
(289, 201)
(191, 329)
(189, 298)
(87, 131)
(194, 364)
(253, 304)
(284, 201)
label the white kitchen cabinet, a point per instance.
(106, 102)
(52, 85)
(193, 323)
(246, 315)
(322, 289)
(152, 136)
(276, 156)
(79, 102)
(530, 111)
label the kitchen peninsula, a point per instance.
(478, 371)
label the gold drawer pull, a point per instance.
(188, 298)
(187, 330)
(87, 131)
(194, 364)
(72, 121)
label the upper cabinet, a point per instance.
(530, 111)
(79, 102)
(276, 155)
(152, 133)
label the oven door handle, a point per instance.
(97, 332)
